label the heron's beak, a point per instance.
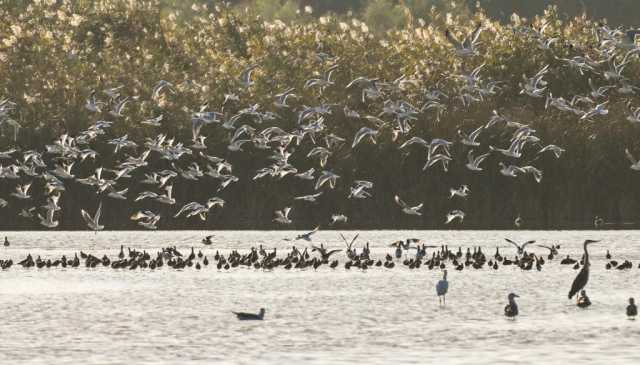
(516, 295)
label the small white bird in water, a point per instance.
(407, 209)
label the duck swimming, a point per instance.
(511, 309)
(250, 316)
(583, 300)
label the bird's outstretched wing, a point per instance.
(400, 202)
(513, 243)
(328, 254)
(98, 213)
(476, 33)
(87, 218)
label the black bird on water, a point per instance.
(250, 316)
(6, 241)
(511, 309)
(207, 240)
(583, 276)
(632, 310)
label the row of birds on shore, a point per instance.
(260, 258)
(153, 167)
(411, 252)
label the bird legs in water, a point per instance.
(442, 301)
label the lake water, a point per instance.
(328, 316)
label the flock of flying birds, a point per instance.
(57, 166)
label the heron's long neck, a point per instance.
(586, 255)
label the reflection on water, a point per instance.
(106, 316)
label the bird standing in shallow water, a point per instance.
(250, 316)
(583, 276)
(632, 310)
(6, 241)
(511, 309)
(441, 289)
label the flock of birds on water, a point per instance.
(156, 165)
(55, 167)
(410, 253)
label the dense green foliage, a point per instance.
(53, 54)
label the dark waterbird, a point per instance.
(511, 309)
(6, 242)
(250, 316)
(207, 240)
(632, 309)
(441, 288)
(583, 276)
(583, 300)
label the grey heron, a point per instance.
(583, 276)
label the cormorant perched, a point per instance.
(583, 276)
(441, 288)
(511, 309)
(6, 241)
(583, 300)
(632, 310)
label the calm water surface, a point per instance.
(381, 316)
